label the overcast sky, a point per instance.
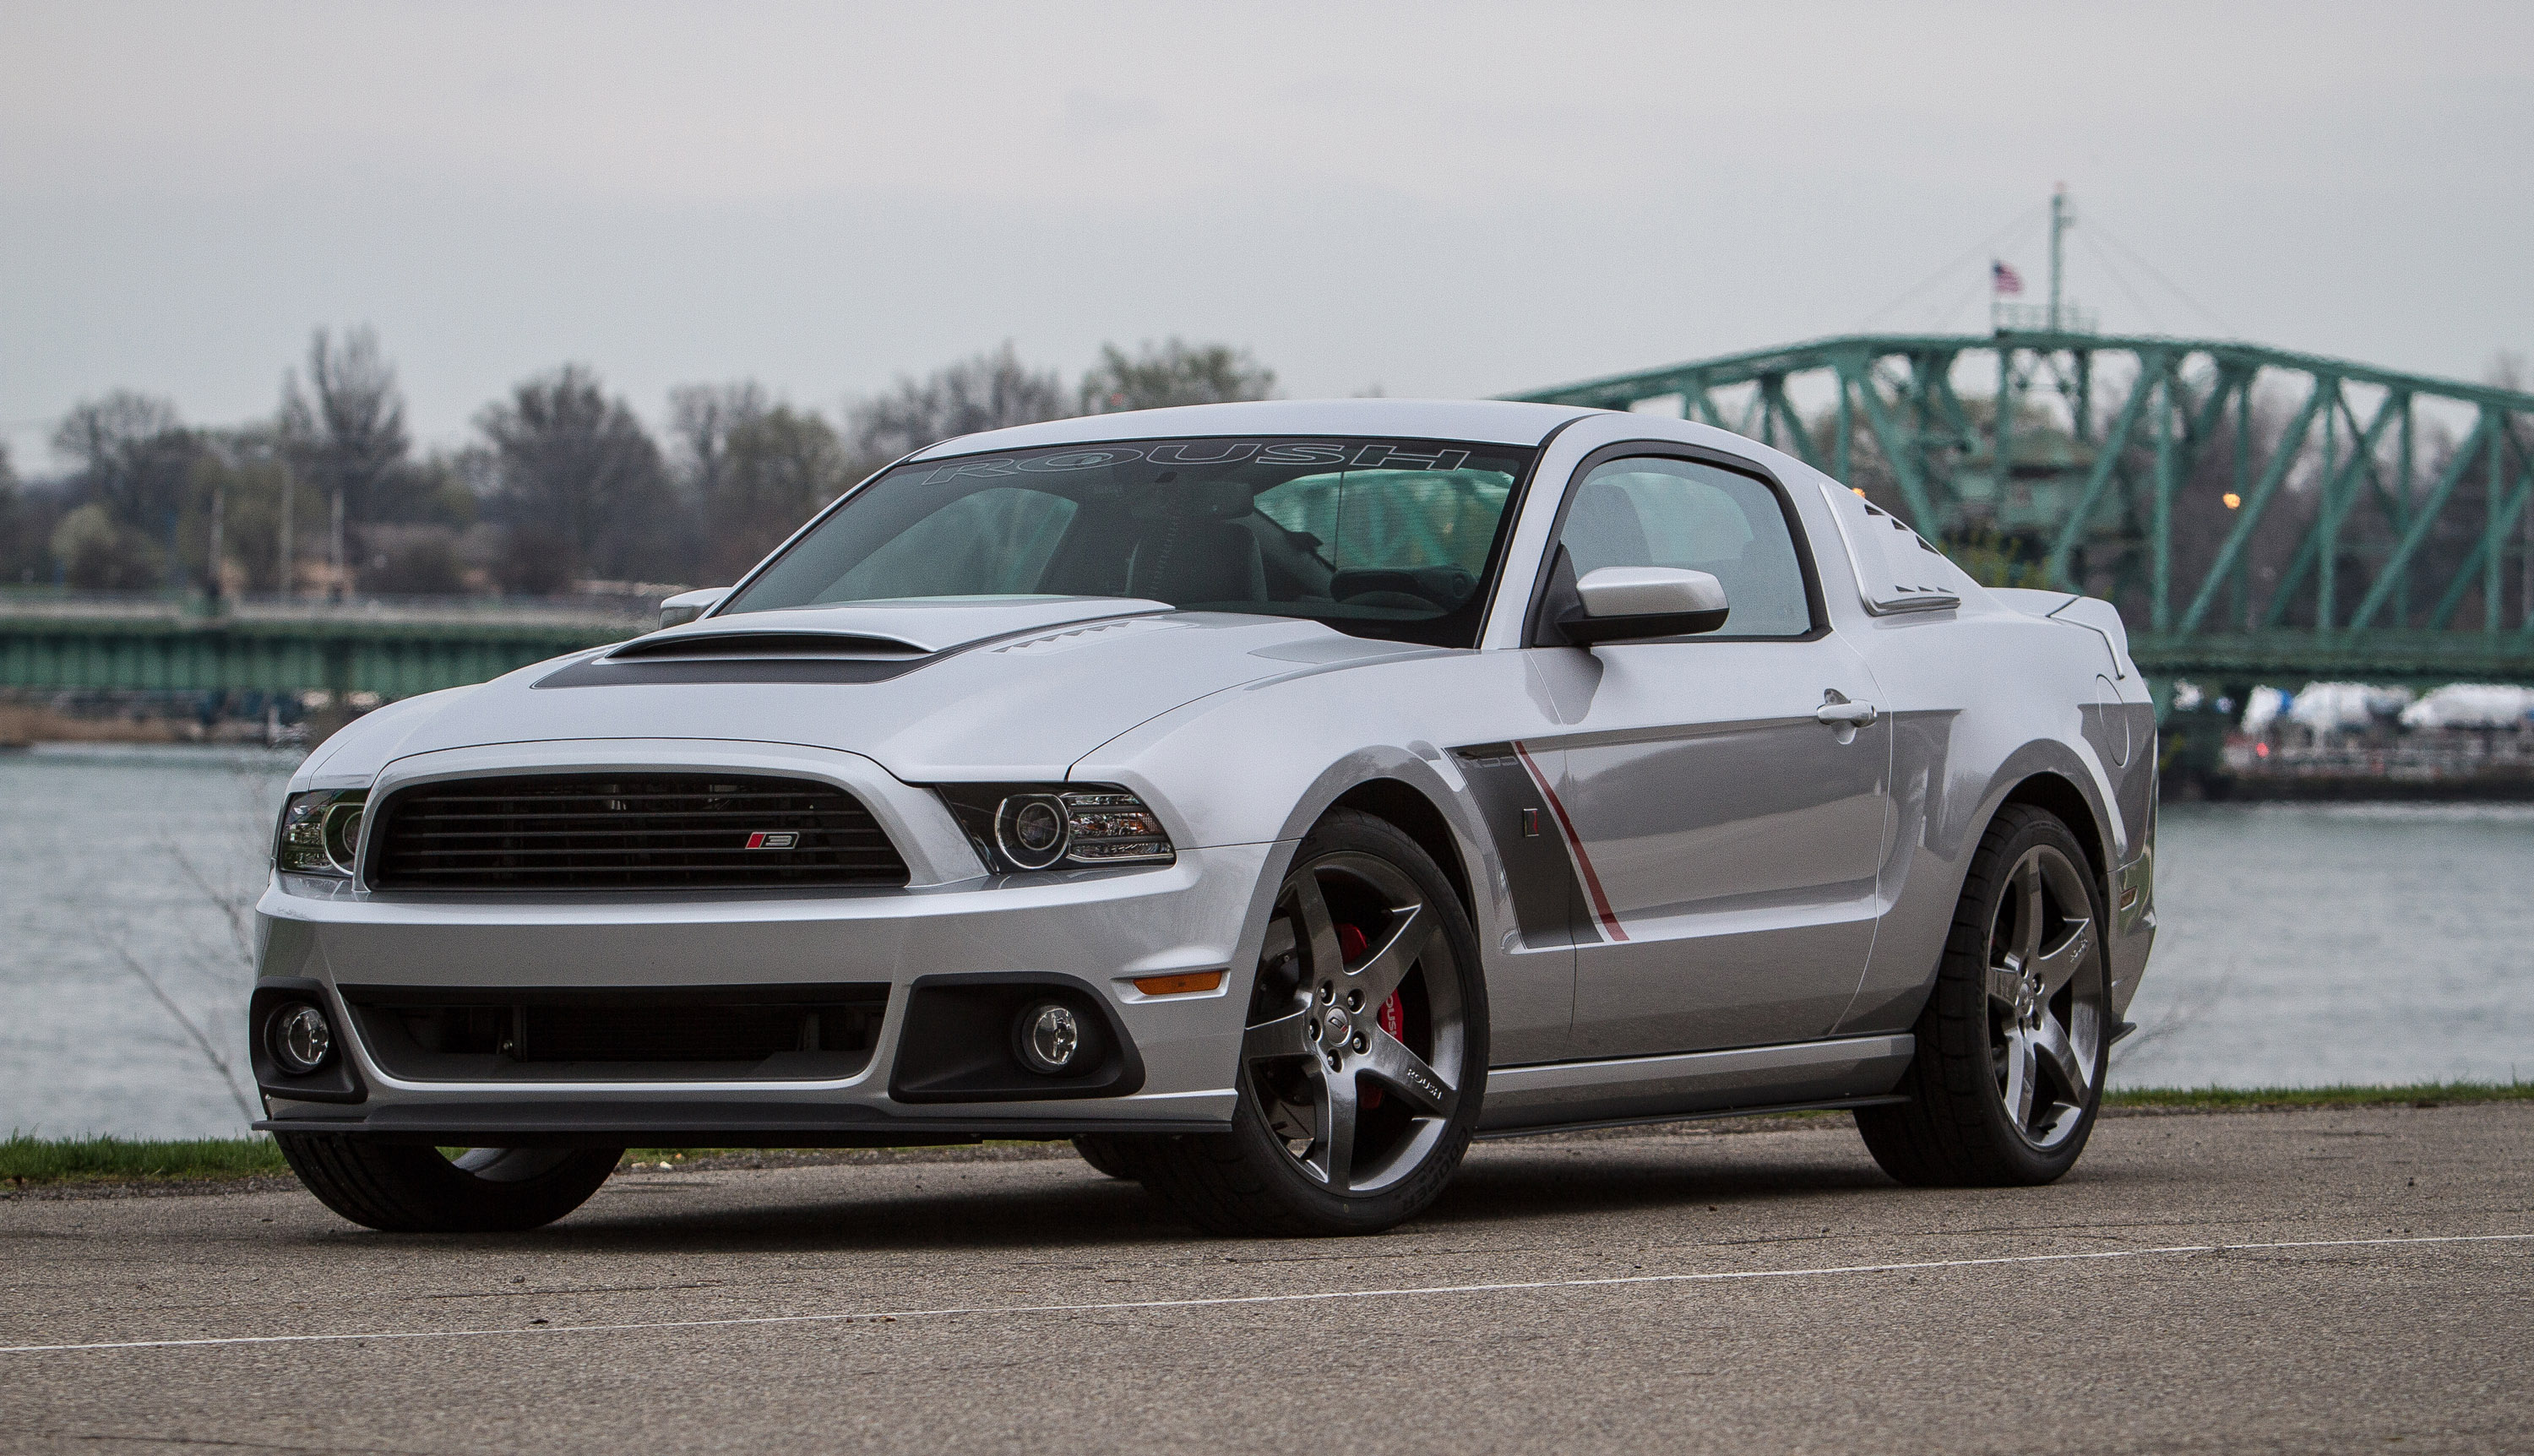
(1440, 201)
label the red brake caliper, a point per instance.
(1392, 1017)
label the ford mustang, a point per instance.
(1269, 798)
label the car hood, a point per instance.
(1007, 689)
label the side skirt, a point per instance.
(1554, 1096)
(1841, 1104)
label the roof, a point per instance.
(1492, 421)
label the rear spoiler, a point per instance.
(2089, 612)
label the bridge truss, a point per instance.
(170, 652)
(2257, 514)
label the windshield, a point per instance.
(1382, 539)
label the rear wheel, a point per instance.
(401, 1188)
(2014, 1043)
(1365, 1054)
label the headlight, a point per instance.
(320, 833)
(1058, 826)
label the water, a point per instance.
(2306, 943)
(2302, 944)
(114, 857)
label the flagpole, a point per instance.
(2058, 227)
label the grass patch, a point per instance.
(28, 1161)
(2221, 1099)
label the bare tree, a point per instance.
(702, 419)
(987, 392)
(134, 465)
(1174, 373)
(226, 879)
(132, 455)
(346, 427)
(21, 545)
(784, 464)
(582, 485)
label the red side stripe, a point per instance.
(1610, 926)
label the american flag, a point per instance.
(2004, 279)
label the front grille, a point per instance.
(630, 831)
(452, 1034)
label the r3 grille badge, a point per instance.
(773, 839)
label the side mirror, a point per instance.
(1626, 602)
(686, 606)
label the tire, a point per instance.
(2014, 1040)
(1365, 1054)
(1110, 1154)
(402, 1189)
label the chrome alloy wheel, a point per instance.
(2045, 1020)
(1357, 1037)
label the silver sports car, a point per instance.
(1270, 797)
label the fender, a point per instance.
(1237, 772)
(1375, 765)
(1918, 915)
(2081, 774)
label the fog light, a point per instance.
(1051, 1038)
(301, 1038)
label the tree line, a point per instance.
(561, 483)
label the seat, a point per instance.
(1604, 529)
(1195, 551)
(1766, 589)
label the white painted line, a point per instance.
(2176, 1251)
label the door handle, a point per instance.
(1847, 714)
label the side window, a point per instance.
(1651, 510)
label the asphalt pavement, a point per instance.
(2309, 1281)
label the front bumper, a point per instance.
(1097, 929)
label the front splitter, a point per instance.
(626, 1122)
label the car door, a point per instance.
(1723, 796)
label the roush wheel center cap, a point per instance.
(1340, 1029)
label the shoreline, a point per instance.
(2491, 788)
(22, 727)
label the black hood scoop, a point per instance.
(671, 659)
(762, 644)
(864, 643)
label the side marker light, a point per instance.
(1185, 983)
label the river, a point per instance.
(2302, 944)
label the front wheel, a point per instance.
(1365, 1054)
(401, 1188)
(1110, 1154)
(2014, 1043)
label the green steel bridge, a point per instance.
(170, 646)
(2258, 515)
